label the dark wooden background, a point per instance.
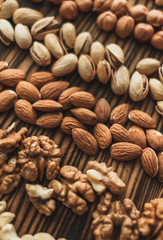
(140, 187)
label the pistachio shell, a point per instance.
(22, 36)
(6, 32)
(156, 89)
(148, 66)
(83, 43)
(115, 55)
(8, 8)
(68, 35)
(97, 52)
(40, 54)
(160, 71)
(103, 71)
(86, 68)
(159, 107)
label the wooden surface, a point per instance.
(140, 187)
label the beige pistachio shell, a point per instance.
(115, 55)
(83, 43)
(6, 32)
(103, 71)
(86, 68)
(97, 52)
(159, 107)
(148, 66)
(40, 54)
(22, 36)
(139, 87)
(68, 35)
(160, 72)
(8, 8)
(156, 89)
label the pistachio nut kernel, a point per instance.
(68, 35)
(55, 46)
(103, 71)
(139, 87)
(40, 54)
(120, 80)
(159, 107)
(156, 89)
(148, 66)
(6, 32)
(8, 8)
(22, 36)
(115, 55)
(86, 68)
(44, 26)
(83, 43)
(160, 72)
(97, 52)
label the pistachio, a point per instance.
(6, 32)
(83, 43)
(53, 43)
(68, 10)
(157, 40)
(143, 32)
(106, 21)
(22, 36)
(97, 52)
(68, 35)
(156, 89)
(115, 55)
(44, 26)
(139, 87)
(26, 16)
(103, 71)
(159, 107)
(86, 68)
(120, 80)
(65, 65)
(160, 71)
(8, 8)
(40, 54)
(148, 66)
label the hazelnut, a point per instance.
(143, 32)
(106, 21)
(155, 18)
(119, 7)
(138, 12)
(56, 2)
(84, 5)
(157, 40)
(68, 10)
(159, 3)
(125, 26)
(100, 6)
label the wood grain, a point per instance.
(140, 187)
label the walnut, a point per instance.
(41, 197)
(71, 183)
(39, 156)
(151, 221)
(10, 140)
(109, 214)
(9, 176)
(102, 178)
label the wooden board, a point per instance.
(140, 187)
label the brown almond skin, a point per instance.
(124, 151)
(25, 111)
(102, 134)
(50, 120)
(84, 115)
(28, 91)
(69, 123)
(53, 90)
(120, 114)
(85, 141)
(155, 139)
(39, 79)
(141, 119)
(64, 98)
(47, 105)
(138, 136)
(149, 161)
(120, 134)
(102, 110)
(83, 100)
(7, 100)
(11, 77)
(160, 166)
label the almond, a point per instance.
(7, 100)
(53, 90)
(85, 141)
(84, 115)
(120, 134)
(102, 134)
(155, 139)
(11, 77)
(3, 65)
(69, 123)
(149, 161)
(28, 91)
(138, 136)
(39, 79)
(160, 166)
(25, 111)
(47, 105)
(83, 100)
(120, 114)
(50, 120)
(124, 151)
(141, 119)
(102, 110)
(64, 98)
